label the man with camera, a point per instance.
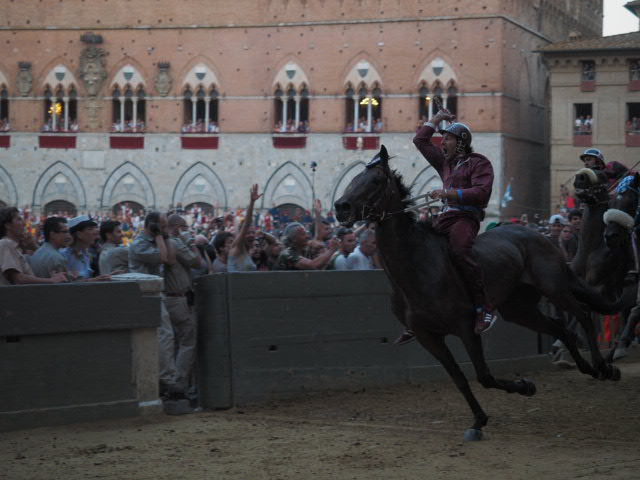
(151, 252)
(179, 299)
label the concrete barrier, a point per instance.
(77, 352)
(271, 334)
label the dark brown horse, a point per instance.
(519, 266)
(621, 220)
(603, 265)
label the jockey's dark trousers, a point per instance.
(461, 229)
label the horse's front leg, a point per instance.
(435, 344)
(473, 345)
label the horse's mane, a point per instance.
(405, 195)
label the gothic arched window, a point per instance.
(291, 110)
(200, 110)
(129, 110)
(364, 109)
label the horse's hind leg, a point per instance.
(522, 309)
(621, 348)
(568, 303)
(437, 347)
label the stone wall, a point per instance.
(273, 334)
(69, 355)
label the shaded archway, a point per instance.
(60, 208)
(128, 207)
(128, 183)
(59, 182)
(8, 191)
(199, 184)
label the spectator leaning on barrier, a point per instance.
(179, 301)
(321, 230)
(84, 232)
(292, 257)
(47, 261)
(362, 256)
(347, 239)
(208, 255)
(222, 245)
(14, 269)
(114, 257)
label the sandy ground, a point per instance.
(574, 428)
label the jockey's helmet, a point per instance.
(593, 152)
(459, 130)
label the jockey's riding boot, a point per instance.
(485, 318)
(407, 337)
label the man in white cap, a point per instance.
(556, 222)
(84, 232)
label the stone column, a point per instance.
(134, 118)
(285, 104)
(122, 100)
(207, 101)
(194, 109)
(369, 112)
(444, 105)
(297, 100)
(66, 112)
(355, 113)
(54, 118)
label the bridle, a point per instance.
(595, 195)
(369, 210)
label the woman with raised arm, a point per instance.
(239, 259)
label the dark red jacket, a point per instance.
(472, 179)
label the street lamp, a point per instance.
(313, 166)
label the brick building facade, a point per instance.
(159, 104)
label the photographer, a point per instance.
(179, 300)
(150, 253)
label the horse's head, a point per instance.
(591, 186)
(623, 212)
(367, 195)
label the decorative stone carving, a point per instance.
(93, 70)
(24, 79)
(93, 108)
(163, 79)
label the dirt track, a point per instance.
(574, 427)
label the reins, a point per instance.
(384, 215)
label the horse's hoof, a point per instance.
(529, 388)
(472, 435)
(614, 373)
(620, 352)
(610, 372)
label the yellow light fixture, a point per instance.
(365, 101)
(58, 108)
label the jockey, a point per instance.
(467, 179)
(594, 159)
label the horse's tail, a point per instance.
(591, 297)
